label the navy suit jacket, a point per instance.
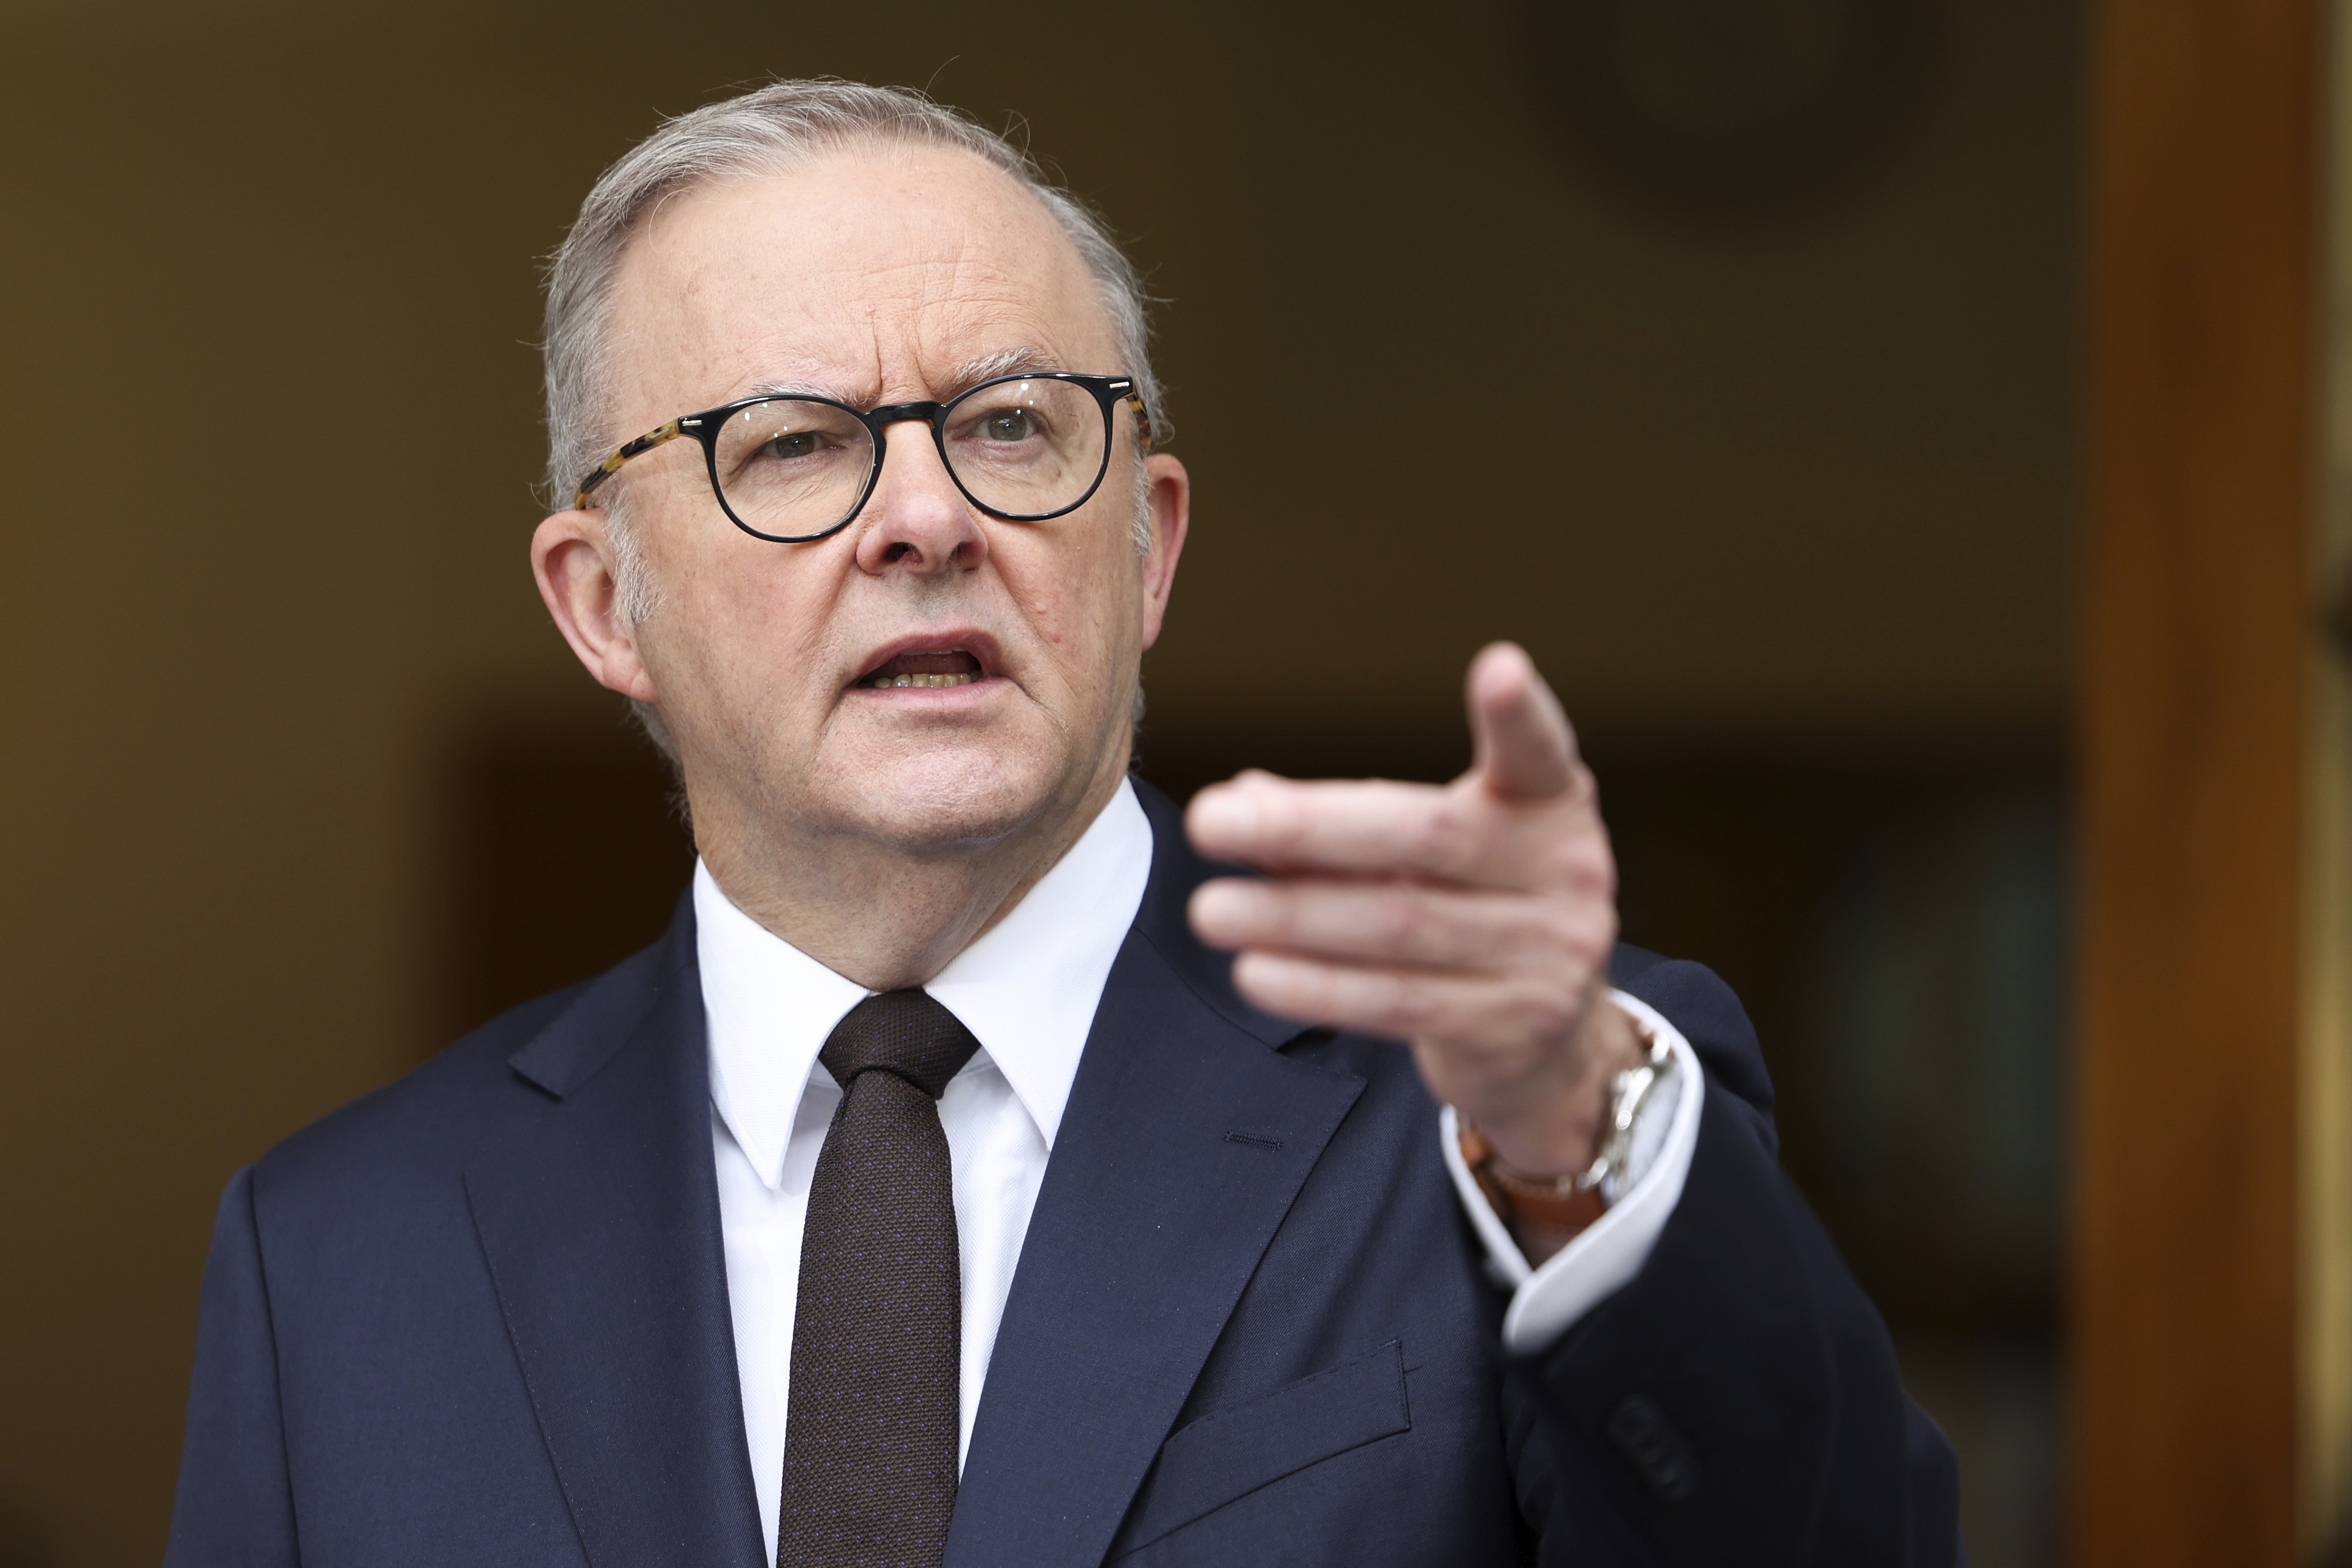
(481, 1317)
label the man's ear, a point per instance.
(572, 558)
(1169, 498)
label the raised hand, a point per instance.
(1472, 920)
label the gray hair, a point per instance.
(774, 126)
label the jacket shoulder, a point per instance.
(442, 1104)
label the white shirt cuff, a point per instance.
(1607, 1254)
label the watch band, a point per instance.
(1556, 1203)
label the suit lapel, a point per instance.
(599, 1221)
(1186, 1139)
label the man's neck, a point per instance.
(873, 912)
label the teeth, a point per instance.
(933, 683)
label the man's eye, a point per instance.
(801, 444)
(1008, 424)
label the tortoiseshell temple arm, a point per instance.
(1142, 419)
(637, 448)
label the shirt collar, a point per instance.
(1027, 989)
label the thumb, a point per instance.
(1526, 750)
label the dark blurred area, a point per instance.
(1721, 352)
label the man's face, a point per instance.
(886, 276)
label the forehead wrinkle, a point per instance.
(956, 340)
(926, 313)
(976, 285)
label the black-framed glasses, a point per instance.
(792, 470)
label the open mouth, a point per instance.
(933, 668)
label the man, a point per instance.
(939, 1190)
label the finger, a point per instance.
(1526, 750)
(1452, 833)
(1281, 824)
(1503, 1014)
(1406, 924)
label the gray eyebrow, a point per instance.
(802, 389)
(1005, 362)
(966, 376)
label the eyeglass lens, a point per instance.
(1019, 448)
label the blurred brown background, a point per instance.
(1734, 372)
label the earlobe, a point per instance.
(1170, 500)
(571, 560)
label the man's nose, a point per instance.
(916, 520)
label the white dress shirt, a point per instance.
(1027, 991)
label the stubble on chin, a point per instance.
(937, 799)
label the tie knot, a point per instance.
(901, 1032)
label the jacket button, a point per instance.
(1658, 1453)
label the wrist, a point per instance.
(1556, 1129)
(1545, 1210)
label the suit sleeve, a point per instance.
(235, 1507)
(1739, 1401)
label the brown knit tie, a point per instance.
(870, 1433)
